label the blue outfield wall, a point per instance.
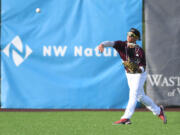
(50, 58)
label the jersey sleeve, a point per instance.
(119, 45)
(108, 43)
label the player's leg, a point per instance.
(133, 82)
(148, 102)
(145, 99)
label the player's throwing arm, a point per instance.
(105, 44)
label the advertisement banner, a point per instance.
(50, 57)
(162, 20)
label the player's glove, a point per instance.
(131, 66)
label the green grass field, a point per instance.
(86, 123)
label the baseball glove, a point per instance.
(131, 66)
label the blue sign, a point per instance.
(50, 57)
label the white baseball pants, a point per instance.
(136, 93)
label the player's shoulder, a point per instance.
(139, 48)
(120, 42)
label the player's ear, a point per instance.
(136, 38)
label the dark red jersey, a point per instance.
(135, 54)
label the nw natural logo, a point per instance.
(18, 52)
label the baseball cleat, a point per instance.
(122, 121)
(162, 115)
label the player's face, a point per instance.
(131, 37)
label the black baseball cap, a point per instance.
(136, 32)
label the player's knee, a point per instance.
(140, 98)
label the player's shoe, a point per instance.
(162, 115)
(122, 121)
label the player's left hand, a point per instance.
(132, 67)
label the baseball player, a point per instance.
(135, 66)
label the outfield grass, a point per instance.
(85, 123)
